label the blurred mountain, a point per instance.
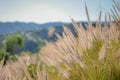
(34, 34)
(11, 27)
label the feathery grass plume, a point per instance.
(116, 17)
(116, 13)
(117, 5)
(98, 24)
(102, 52)
(118, 54)
(90, 27)
(18, 70)
(91, 55)
(106, 29)
(68, 48)
(110, 20)
(87, 14)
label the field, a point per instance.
(92, 54)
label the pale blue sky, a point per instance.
(41, 11)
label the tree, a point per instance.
(11, 45)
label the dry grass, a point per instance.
(70, 49)
(93, 55)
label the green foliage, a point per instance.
(109, 69)
(53, 73)
(3, 53)
(92, 53)
(32, 70)
(13, 43)
(13, 58)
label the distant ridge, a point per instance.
(11, 27)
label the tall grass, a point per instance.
(93, 54)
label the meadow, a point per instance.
(92, 54)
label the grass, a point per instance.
(94, 54)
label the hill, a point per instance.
(34, 34)
(11, 27)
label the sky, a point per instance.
(42, 11)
